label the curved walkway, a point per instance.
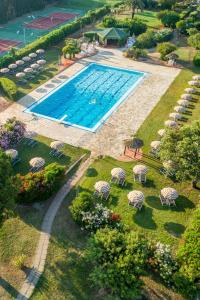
(42, 247)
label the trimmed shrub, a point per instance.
(146, 40)
(57, 35)
(166, 4)
(8, 87)
(194, 41)
(41, 185)
(187, 278)
(109, 22)
(135, 53)
(196, 59)
(163, 35)
(169, 19)
(164, 49)
(83, 203)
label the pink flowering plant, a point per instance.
(11, 133)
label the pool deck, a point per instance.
(124, 122)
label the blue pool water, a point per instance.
(88, 98)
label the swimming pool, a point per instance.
(87, 99)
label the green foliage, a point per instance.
(41, 185)
(182, 147)
(8, 185)
(163, 35)
(8, 87)
(169, 19)
(71, 48)
(166, 4)
(196, 59)
(118, 260)
(109, 21)
(146, 40)
(19, 261)
(194, 41)
(83, 203)
(135, 4)
(56, 36)
(135, 53)
(165, 48)
(189, 257)
(192, 31)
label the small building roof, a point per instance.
(112, 34)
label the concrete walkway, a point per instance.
(41, 250)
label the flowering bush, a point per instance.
(100, 217)
(163, 263)
(11, 133)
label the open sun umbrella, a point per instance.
(57, 145)
(34, 66)
(161, 132)
(32, 55)
(170, 123)
(41, 62)
(28, 70)
(12, 153)
(37, 162)
(19, 62)
(40, 51)
(20, 75)
(4, 70)
(155, 145)
(26, 58)
(12, 66)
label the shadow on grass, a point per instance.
(8, 288)
(91, 172)
(182, 203)
(174, 229)
(144, 218)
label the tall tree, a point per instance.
(135, 4)
(182, 147)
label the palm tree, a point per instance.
(133, 4)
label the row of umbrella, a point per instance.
(33, 68)
(21, 62)
(183, 103)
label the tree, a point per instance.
(71, 48)
(182, 147)
(166, 4)
(165, 48)
(134, 4)
(118, 260)
(169, 19)
(8, 185)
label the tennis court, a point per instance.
(28, 28)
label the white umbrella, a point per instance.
(161, 132)
(32, 55)
(12, 153)
(186, 97)
(20, 75)
(169, 193)
(118, 173)
(34, 66)
(28, 70)
(37, 162)
(191, 90)
(4, 70)
(168, 164)
(26, 58)
(57, 145)
(180, 109)
(30, 134)
(41, 62)
(194, 83)
(196, 77)
(12, 66)
(184, 103)
(140, 170)
(102, 187)
(155, 145)
(135, 197)
(175, 116)
(40, 51)
(19, 62)
(170, 123)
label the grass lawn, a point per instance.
(42, 149)
(19, 234)
(149, 18)
(85, 5)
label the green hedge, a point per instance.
(56, 36)
(196, 59)
(8, 87)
